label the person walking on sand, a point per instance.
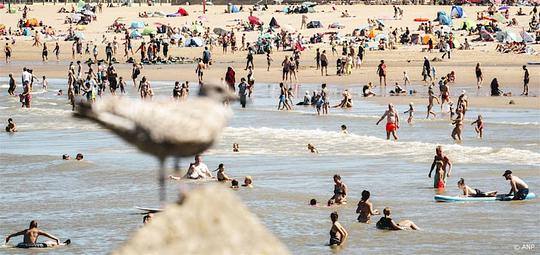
(324, 63)
(381, 71)
(525, 81)
(338, 234)
(392, 122)
(479, 76)
(7, 52)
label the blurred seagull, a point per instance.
(165, 128)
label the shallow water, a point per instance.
(92, 201)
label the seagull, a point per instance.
(165, 128)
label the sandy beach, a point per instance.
(94, 201)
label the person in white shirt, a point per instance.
(197, 170)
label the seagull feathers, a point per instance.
(161, 128)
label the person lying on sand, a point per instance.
(31, 235)
(469, 192)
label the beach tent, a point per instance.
(288, 28)
(507, 36)
(220, 31)
(426, 37)
(182, 11)
(137, 24)
(235, 9)
(149, 31)
(415, 38)
(486, 36)
(443, 18)
(336, 25)
(76, 17)
(135, 34)
(194, 42)
(31, 22)
(457, 12)
(27, 31)
(468, 24)
(79, 35)
(274, 23)
(314, 24)
(254, 20)
(526, 37)
(499, 18)
(381, 36)
(197, 28)
(178, 37)
(158, 14)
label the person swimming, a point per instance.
(469, 192)
(386, 223)
(312, 148)
(344, 129)
(11, 127)
(365, 208)
(248, 182)
(234, 184)
(31, 235)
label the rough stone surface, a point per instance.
(211, 220)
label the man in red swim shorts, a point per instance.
(392, 122)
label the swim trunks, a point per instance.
(390, 127)
(521, 194)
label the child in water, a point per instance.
(410, 112)
(469, 192)
(479, 126)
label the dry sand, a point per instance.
(505, 67)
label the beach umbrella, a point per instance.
(79, 35)
(149, 31)
(220, 31)
(504, 8)
(135, 34)
(288, 28)
(254, 20)
(137, 24)
(380, 22)
(202, 18)
(197, 28)
(88, 13)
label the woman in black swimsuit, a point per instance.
(338, 234)
(386, 223)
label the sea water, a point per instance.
(92, 201)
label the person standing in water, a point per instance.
(338, 234)
(365, 208)
(431, 96)
(31, 235)
(446, 166)
(479, 126)
(458, 122)
(519, 188)
(392, 122)
(410, 112)
(340, 191)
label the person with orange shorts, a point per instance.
(392, 121)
